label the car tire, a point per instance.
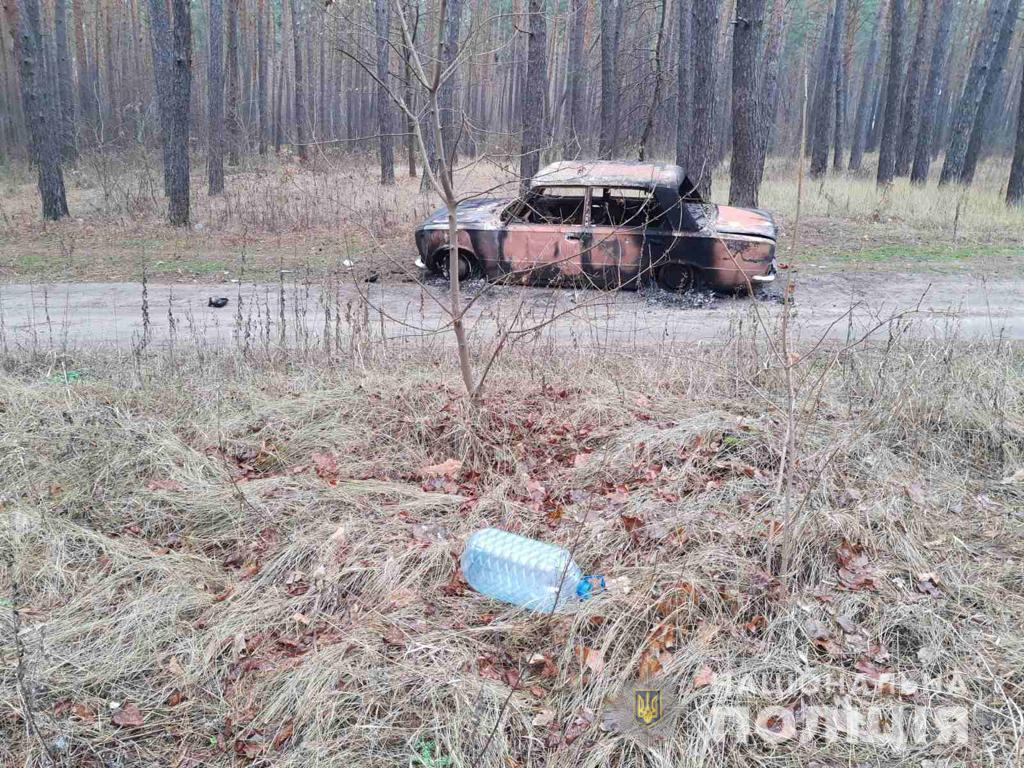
(467, 264)
(676, 277)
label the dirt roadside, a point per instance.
(111, 314)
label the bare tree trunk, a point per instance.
(911, 123)
(887, 152)
(571, 145)
(864, 104)
(992, 80)
(684, 84)
(261, 75)
(824, 107)
(233, 119)
(451, 117)
(746, 114)
(970, 101)
(841, 107)
(300, 86)
(929, 103)
(820, 79)
(82, 64)
(533, 111)
(180, 93)
(652, 109)
(1015, 188)
(386, 152)
(609, 76)
(66, 132)
(38, 102)
(215, 99)
(410, 136)
(705, 31)
(770, 86)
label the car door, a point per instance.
(625, 228)
(542, 245)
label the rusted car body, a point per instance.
(606, 225)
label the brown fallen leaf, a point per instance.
(446, 469)
(705, 676)
(127, 716)
(544, 718)
(926, 585)
(848, 625)
(591, 658)
(326, 465)
(287, 729)
(164, 485)
(650, 664)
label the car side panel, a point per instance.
(606, 257)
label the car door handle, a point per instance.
(573, 235)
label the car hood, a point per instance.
(481, 212)
(744, 221)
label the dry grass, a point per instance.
(276, 214)
(181, 542)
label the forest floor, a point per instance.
(232, 558)
(276, 215)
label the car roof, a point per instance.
(609, 173)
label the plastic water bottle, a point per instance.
(537, 576)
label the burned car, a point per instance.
(606, 225)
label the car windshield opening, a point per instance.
(624, 207)
(550, 205)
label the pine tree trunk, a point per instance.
(215, 99)
(887, 152)
(386, 151)
(451, 119)
(770, 85)
(746, 113)
(410, 99)
(609, 76)
(261, 75)
(929, 102)
(67, 100)
(820, 73)
(38, 104)
(992, 81)
(82, 66)
(160, 37)
(824, 118)
(232, 117)
(911, 122)
(705, 33)
(684, 84)
(970, 101)
(572, 146)
(300, 85)
(645, 135)
(838, 134)
(180, 94)
(533, 111)
(1015, 188)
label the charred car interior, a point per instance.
(606, 225)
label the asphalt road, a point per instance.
(829, 304)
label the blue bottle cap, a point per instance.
(585, 586)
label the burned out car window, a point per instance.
(549, 205)
(624, 207)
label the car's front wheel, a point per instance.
(676, 277)
(467, 264)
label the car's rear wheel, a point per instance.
(467, 263)
(676, 277)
